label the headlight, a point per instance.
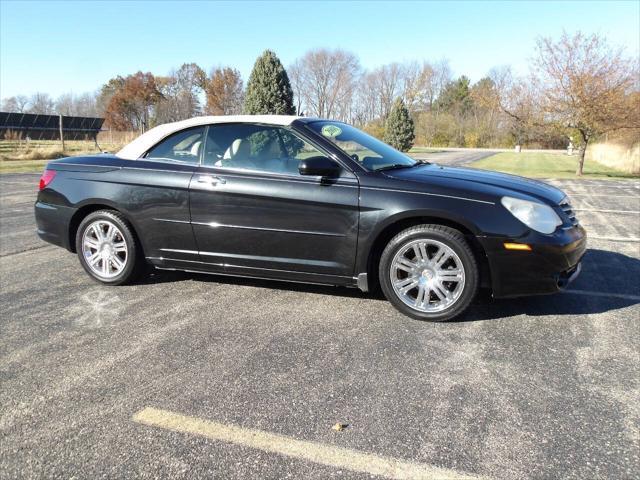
(534, 215)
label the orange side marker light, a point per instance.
(517, 246)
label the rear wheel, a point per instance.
(428, 272)
(107, 248)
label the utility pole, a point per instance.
(61, 134)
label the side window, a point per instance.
(184, 146)
(256, 147)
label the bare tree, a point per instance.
(22, 102)
(171, 107)
(73, 105)
(191, 81)
(377, 91)
(366, 107)
(224, 92)
(388, 81)
(587, 86)
(417, 82)
(9, 105)
(17, 104)
(295, 77)
(86, 106)
(325, 81)
(65, 104)
(41, 103)
(442, 76)
(180, 91)
(520, 102)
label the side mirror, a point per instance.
(319, 166)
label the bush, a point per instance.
(471, 140)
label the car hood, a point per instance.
(482, 181)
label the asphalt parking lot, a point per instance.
(185, 375)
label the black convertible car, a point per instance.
(309, 200)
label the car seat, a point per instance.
(195, 148)
(238, 155)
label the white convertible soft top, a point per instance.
(144, 142)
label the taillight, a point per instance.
(46, 178)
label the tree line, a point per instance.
(579, 89)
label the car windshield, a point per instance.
(370, 152)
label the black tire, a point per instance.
(134, 263)
(449, 237)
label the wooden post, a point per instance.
(61, 134)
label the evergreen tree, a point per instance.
(268, 89)
(456, 97)
(399, 132)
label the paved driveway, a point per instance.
(188, 375)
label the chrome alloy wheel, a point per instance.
(104, 249)
(427, 275)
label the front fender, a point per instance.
(382, 210)
(446, 215)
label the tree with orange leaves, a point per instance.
(132, 99)
(224, 92)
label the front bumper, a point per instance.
(552, 263)
(565, 278)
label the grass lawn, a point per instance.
(546, 165)
(424, 150)
(23, 157)
(22, 166)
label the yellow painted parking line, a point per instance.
(323, 454)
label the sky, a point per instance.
(76, 46)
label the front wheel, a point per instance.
(107, 248)
(428, 272)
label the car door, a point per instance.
(155, 190)
(254, 213)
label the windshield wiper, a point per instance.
(396, 166)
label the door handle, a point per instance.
(211, 180)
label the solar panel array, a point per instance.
(47, 127)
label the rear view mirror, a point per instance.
(319, 166)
